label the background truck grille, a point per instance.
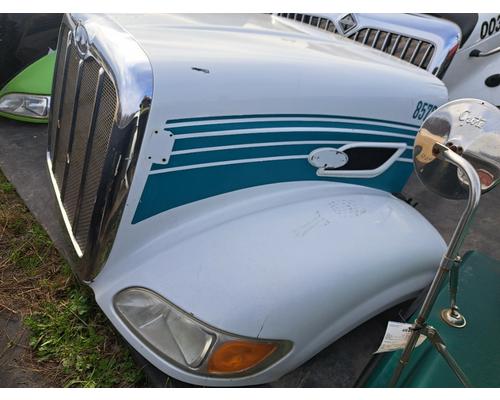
(318, 22)
(414, 51)
(84, 105)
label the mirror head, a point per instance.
(469, 127)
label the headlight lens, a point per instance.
(165, 328)
(178, 337)
(26, 105)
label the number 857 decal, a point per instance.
(423, 110)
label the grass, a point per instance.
(71, 341)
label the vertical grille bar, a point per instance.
(412, 50)
(375, 40)
(56, 85)
(72, 130)
(92, 131)
(405, 49)
(415, 52)
(59, 98)
(366, 36)
(427, 56)
(386, 40)
(396, 43)
(105, 118)
(64, 123)
(82, 130)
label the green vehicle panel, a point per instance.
(34, 79)
(476, 347)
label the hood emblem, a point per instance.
(81, 40)
(347, 22)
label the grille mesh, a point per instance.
(67, 101)
(82, 118)
(86, 102)
(414, 51)
(104, 126)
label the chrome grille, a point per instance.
(82, 121)
(412, 50)
(312, 20)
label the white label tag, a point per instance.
(396, 336)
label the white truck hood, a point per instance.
(205, 59)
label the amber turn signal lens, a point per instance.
(238, 356)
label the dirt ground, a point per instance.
(16, 356)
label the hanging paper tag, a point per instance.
(396, 336)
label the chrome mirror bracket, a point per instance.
(456, 155)
(420, 325)
(452, 315)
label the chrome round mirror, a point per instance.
(469, 127)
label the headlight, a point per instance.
(180, 338)
(25, 105)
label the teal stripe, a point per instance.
(228, 140)
(284, 124)
(249, 116)
(240, 154)
(163, 192)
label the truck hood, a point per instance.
(214, 57)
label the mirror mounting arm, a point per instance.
(449, 258)
(474, 195)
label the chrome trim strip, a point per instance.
(377, 35)
(61, 208)
(132, 83)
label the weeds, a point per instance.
(6, 187)
(75, 332)
(73, 343)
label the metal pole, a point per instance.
(452, 315)
(438, 343)
(450, 255)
